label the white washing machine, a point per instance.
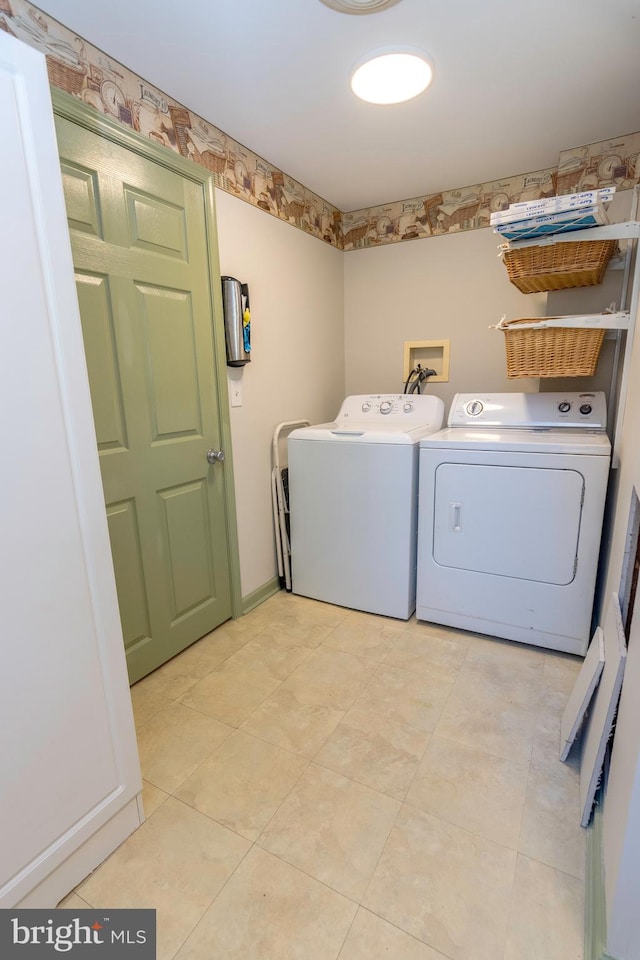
(353, 498)
(512, 499)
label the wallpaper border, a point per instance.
(84, 71)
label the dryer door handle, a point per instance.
(455, 517)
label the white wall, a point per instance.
(70, 772)
(621, 808)
(297, 366)
(453, 287)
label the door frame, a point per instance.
(70, 108)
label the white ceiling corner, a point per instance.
(513, 85)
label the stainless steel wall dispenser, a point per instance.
(237, 321)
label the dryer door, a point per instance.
(521, 522)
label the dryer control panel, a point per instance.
(530, 411)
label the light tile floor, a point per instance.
(322, 784)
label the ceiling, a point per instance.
(514, 83)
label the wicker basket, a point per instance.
(214, 162)
(551, 351)
(65, 76)
(557, 266)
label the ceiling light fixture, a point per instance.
(359, 6)
(391, 77)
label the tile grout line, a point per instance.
(309, 761)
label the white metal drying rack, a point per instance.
(280, 500)
(622, 320)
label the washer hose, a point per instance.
(417, 376)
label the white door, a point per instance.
(508, 521)
(69, 771)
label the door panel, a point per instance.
(139, 241)
(508, 521)
(156, 226)
(80, 193)
(100, 352)
(124, 535)
(190, 565)
(171, 354)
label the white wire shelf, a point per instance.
(620, 320)
(629, 230)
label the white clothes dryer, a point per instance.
(512, 498)
(353, 499)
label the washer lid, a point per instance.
(358, 432)
(379, 418)
(535, 440)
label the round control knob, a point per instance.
(474, 408)
(366, 406)
(586, 409)
(385, 406)
(408, 407)
(564, 407)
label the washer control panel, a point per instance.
(530, 410)
(412, 409)
(382, 404)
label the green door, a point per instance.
(139, 240)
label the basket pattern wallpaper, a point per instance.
(105, 85)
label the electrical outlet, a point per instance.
(236, 393)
